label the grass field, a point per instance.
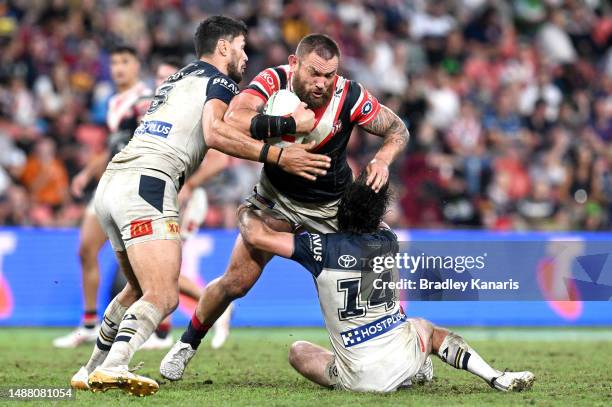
(573, 367)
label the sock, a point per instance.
(456, 352)
(108, 329)
(139, 322)
(195, 332)
(163, 330)
(90, 318)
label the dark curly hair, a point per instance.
(361, 209)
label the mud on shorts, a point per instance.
(137, 205)
(314, 217)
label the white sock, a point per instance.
(456, 352)
(108, 330)
(139, 322)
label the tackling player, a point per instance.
(375, 347)
(136, 200)
(339, 105)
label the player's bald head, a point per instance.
(321, 44)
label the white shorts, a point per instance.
(137, 205)
(314, 217)
(383, 366)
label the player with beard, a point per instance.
(339, 105)
(136, 200)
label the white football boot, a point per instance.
(174, 363)
(77, 337)
(513, 381)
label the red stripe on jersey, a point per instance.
(268, 80)
(256, 93)
(331, 133)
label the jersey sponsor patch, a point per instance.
(367, 107)
(154, 128)
(372, 330)
(346, 261)
(220, 81)
(140, 228)
(173, 227)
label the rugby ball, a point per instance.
(283, 103)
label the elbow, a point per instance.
(231, 118)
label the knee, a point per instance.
(166, 301)
(424, 328)
(87, 252)
(295, 353)
(170, 302)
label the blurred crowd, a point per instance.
(509, 103)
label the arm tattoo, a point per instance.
(388, 125)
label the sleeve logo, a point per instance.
(268, 78)
(317, 247)
(367, 107)
(232, 87)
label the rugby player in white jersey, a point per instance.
(375, 347)
(339, 105)
(190, 206)
(124, 111)
(136, 200)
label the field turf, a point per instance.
(573, 367)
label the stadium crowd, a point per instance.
(509, 103)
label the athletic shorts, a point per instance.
(137, 205)
(314, 217)
(387, 363)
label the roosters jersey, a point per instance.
(351, 104)
(125, 108)
(170, 137)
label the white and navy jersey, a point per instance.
(350, 105)
(170, 137)
(366, 326)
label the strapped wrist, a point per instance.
(264, 126)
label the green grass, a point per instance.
(573, 367)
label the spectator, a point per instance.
(45, 176)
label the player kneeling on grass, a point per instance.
(375, 346)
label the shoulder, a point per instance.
(363, 105)
(221, 87)
(268, 81)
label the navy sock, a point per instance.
(195, 332)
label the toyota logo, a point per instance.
(346, 261)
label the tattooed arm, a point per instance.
(388, 125)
